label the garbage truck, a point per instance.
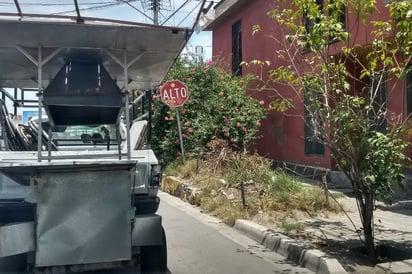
(78, 179)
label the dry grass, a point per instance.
(272, 195)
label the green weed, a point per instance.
(282, 182)
(171, 169)
(291, 226)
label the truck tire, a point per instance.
(154, 258)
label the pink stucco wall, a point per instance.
(283, 133)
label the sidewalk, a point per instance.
(336, 236)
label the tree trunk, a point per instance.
(367, 222)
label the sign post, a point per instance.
(175, 93)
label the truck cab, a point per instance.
(78, 181)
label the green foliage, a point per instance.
(383, 165)
(171, 169)
(343, 105)
(217, 108)
(401, 12)
(347, 122)
(282, 182)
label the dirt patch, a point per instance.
(337, 236)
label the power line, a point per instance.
(165, 12)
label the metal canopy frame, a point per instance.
(136, 56)
(155, 6)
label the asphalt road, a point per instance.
(198, 243)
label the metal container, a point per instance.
(83, 93)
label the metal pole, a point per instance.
(40, 95)
(49, 143)
(119, 140)
(79, 18)
(126, 84)
(15, 103)
(156, 6)
(180, 135)
(17, 7)
(149, 131)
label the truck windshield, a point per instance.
(85, 135)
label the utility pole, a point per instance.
(156, 8)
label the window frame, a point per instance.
(408, 89)
(237, 48)
(312, 146)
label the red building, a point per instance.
(283, 133)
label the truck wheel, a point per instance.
(154, 258)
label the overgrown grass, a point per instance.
(291, 226)
(266, 190)
(243, 168)
(228, 211)
(281, 182)
(188, 170)
(171, 169)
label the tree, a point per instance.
(217, 108)
(324, 67)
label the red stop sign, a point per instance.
(174, 93)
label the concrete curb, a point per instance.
(312, 259)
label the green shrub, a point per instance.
(217, 108)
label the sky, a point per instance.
(180, 13)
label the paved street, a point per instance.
(198, 243)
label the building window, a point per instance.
(409, 90)
(237, 48)
(312, 146)
(312, 121)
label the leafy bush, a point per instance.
(218, 107)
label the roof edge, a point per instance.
(224, 9)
